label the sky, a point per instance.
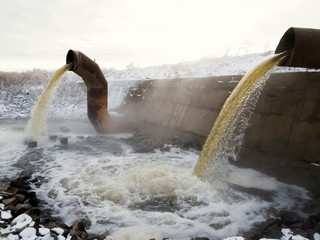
(140, 33)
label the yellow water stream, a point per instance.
(229, 109)
(37, 125)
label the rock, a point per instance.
(57, 230)
(4, 186)
(79, 230)
(290, 218)
(64, 141)
(33, 201)
(20, 198)
(10, 201)
(21, 222)
(309, 223)
(44, 231)
(274, 231)
(200, 238)
(20, 184)
(251, 235)
(316, 236)
(32, 144)
(269, 222)
(28, 233)
(53, 137)
(5, 215)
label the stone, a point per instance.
(4, 186)
(64, 141)
(32, 144)
(5, 215)
(44, 231)
(53, 137)
(13, 191)
(33, 201)
(251, 235)
(10, 201)
(28, 233)
(21, 222)
(269, 222)
(290, 218)
(20, 198)
(57, 230)
(22, 208)
(79, 229)
(274, 231)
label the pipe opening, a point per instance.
(287, 41)
(303, 46)
(70, 59)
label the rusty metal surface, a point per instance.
(97, 103)
(87, 69)
(97, 89)
(303, 45)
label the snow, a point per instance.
(316, 236)
(44, 231)
(21, 222)
(288, 235)
(58, 231)
(28, 233)
(19, 91)
(11, 237)
(46, 237)
(6, 215)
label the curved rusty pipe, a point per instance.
(304, 47)
(97, 89)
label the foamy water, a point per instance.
(100, 179)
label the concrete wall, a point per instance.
(282, 139)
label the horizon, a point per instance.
(131, 66)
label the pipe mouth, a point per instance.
(303, 47)
(287, 41)
(71, 59)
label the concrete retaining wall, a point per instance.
(284, 131)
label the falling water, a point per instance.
(226, 135)
(37, 124)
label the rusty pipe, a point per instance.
(97, 89)
(303, 45)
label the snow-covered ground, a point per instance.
(19, 90)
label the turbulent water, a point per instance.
(102, 180)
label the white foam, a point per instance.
(100, 179)
(137, 233)
(250, 178)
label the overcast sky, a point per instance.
(38, 33)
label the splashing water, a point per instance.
(37, 125)
(227, 133)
